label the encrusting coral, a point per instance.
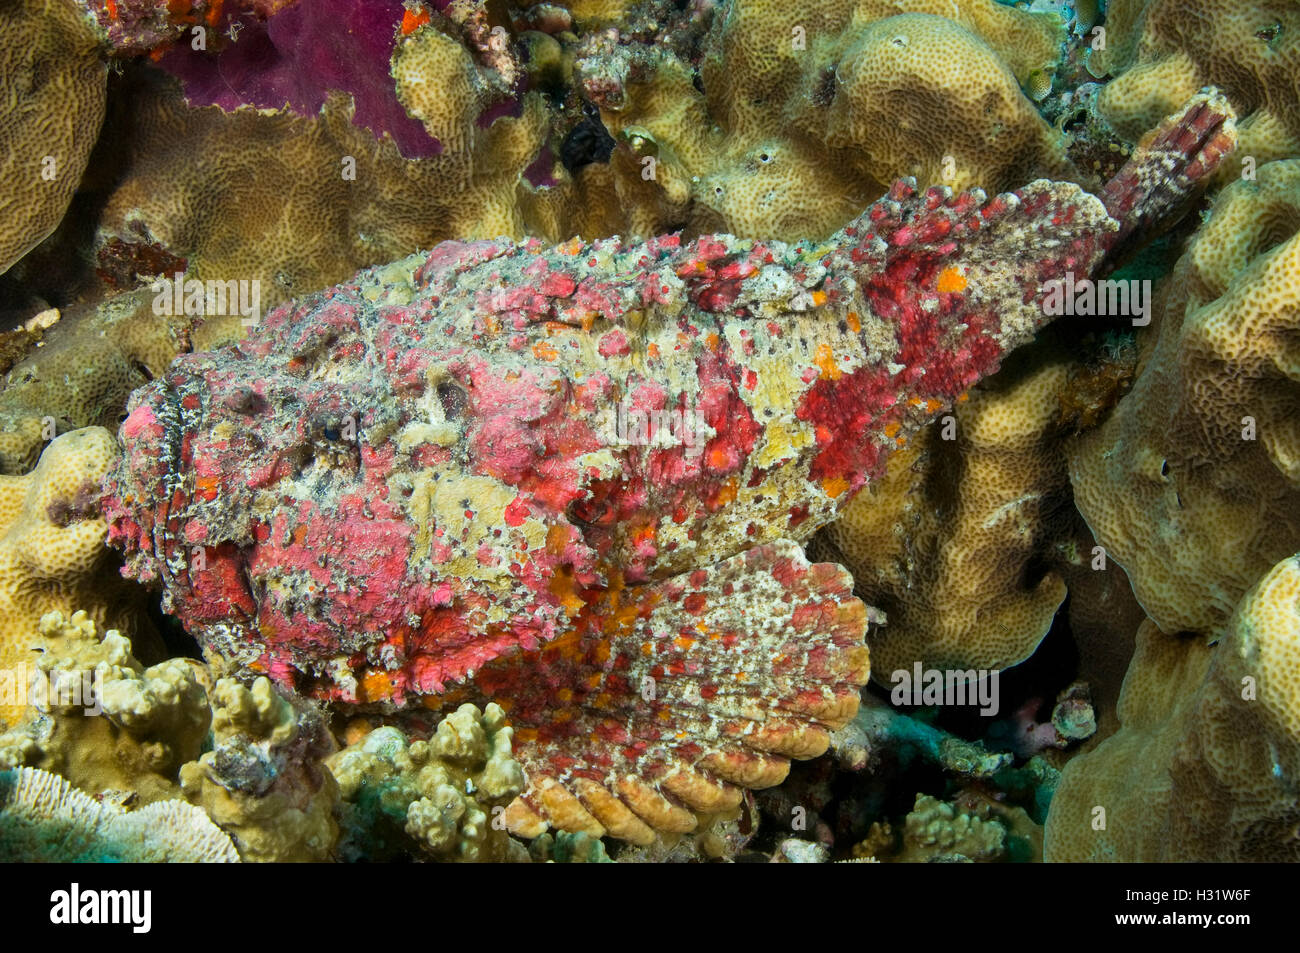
(1193, 484)
(1204, 766)
(102, 720)
(52, 89)
(263, 782)
(446, 794)
(45, 819)
(52, 553)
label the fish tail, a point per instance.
(1167, 168)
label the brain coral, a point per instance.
(52, 88)
(1193, 485)
(1204, 765)
(1166, 49)
(52, 553)
(948, 542)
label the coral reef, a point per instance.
(45, 819)
(263, 782)
(105, 722)
(300, 203)
(969, 829)
(947, 544)
(261, 482)
(1193, 484)
(80, 371)
(447, 794)
(52, 554)
(1203, 766)
(1164, 50)
(523, 548)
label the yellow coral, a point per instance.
(301, 203)
(1203, 767)
(946, 542)
(52, 87)
(1193, 485)
(822, 95)
(437, 83)
(87, 365)
(263, 782)
(1167, 49)
(450, 789)
(113, 725)
(52, 553)
(921, 95)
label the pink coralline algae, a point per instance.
(573, 479)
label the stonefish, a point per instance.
(575, 479)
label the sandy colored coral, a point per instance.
(263, 782)
(1203, 768)
(52, 553)
(972, 828)
(819, 95)
(921, 95)
(52, 88)
(447, 793)
(949, 542)
(1166, 49)
(88, 362)
(103, 720)
(300, 203)
(1193, 484)
(45, 819)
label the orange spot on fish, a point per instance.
(825, 362)
(834, 486)
(951, 280)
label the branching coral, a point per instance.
(104, 721)
(263, 782)
(447, 794)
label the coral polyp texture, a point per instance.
(1206, 445)
(1207, 778)
(571, 479)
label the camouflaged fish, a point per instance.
(575, 479)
